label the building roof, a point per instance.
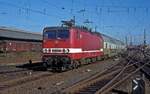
(12, 33)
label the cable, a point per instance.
(30, 9)
(55, 6)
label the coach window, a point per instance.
(106, 45)
(110, 46)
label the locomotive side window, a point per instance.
(50, 34)
(62, 34)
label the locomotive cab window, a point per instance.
(62, 34)
(49, 35)
(56, 34)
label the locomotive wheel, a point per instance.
(70, 67)
(89, 61)
(63, 68)
(75, 65)
(45, 65)
(98, 58)
(93, 59)
(80, 64)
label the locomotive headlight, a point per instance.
(101, 49)
(45, 50)
(66, 50)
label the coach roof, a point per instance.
(111, 40)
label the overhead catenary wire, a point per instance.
(31, 10)
(26, 20)
(98, 12)
(52, 5)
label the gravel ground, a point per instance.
(6, 73)
(8, 68)
(59, 81)
(16, 75)
(19, 57)
(127, 85)
(10, 72)
(147, 85)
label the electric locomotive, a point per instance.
(67, 47)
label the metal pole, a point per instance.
(144, 37)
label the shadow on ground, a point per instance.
(38, 66)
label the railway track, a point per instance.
(23, 75)
(121, 77)
(35, 75)
(14, 71)
(23, 68)
(100, 75)
(22, 80)
(99, 83)
(102, 83)
(4, 86)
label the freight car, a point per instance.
(14, 40)
(69, 47)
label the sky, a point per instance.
(116, 18)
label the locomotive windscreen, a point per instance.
(56, 34)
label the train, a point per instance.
(67, 47)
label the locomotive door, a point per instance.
(79, 39)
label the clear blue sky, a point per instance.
(117, 18)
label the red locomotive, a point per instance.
(69, 47)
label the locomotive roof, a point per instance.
(54, 28)
(105, 37)
(62, 28)
(66, 28)
(7, 32)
